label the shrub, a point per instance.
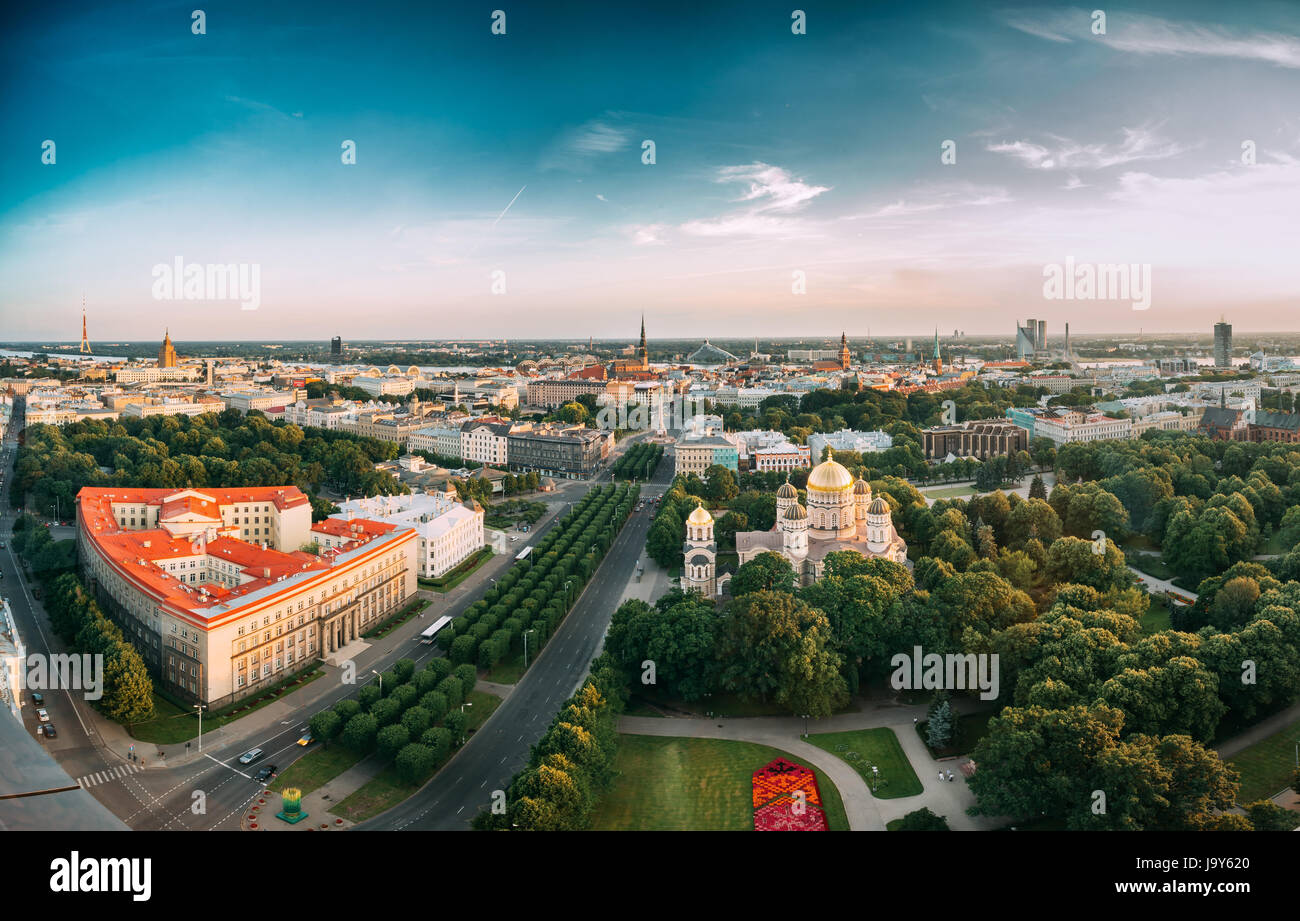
(439, 740)
(391, 740)
(414, 762)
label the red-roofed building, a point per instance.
(218, 591)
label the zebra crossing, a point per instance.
(108, 775)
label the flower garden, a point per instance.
(786, 798)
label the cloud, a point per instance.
(772, 187)
(601, 197)
(1139, 34)
(576, 149)
(1064, 153)
(649, 235)
(938, 198)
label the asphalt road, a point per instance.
(500, 748)
(165, 799)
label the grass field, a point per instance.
(862, 748)
(1266, 766)
(673, 784)
(1156, 619)
(1149, 563)
(948, 492)
(317, 768)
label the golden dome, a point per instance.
(796, 512)
(878, 506)
(787, 491)
(861, 488)
(829, 476)
(699, 516)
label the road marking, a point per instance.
(224, 765)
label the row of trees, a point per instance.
(571, 764)
(638, 462)
(536, 593)
(127, 692)
(411, 718)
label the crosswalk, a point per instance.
(108, 776)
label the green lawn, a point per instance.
(862, 748)
(1156, 619)
(316, 768)
(1150, 564)
(948, 492)
(510, 669)
(172, 724)
(1266, 766)
(675, 784)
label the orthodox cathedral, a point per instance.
(841, 515)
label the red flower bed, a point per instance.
(777, 808)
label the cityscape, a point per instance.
(744, 471)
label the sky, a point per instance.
(798, 186)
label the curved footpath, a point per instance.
(865, 812)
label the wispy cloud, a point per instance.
(1064, 153)
(576, 149)
(1139, 34)
(937, 198)
(771, 187)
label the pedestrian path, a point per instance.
(108, 776)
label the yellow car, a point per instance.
(306, 739)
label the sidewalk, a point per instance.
(295, 707)
(950, 799)
(260, 815)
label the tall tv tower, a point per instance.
(85, 342)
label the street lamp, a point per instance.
(805, 725)
(875, 777)
(526, 632)
(381, 681)
(200, 708)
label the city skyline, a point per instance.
(1117, 148)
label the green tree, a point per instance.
(767, 572)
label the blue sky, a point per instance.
(776, 153)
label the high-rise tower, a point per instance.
(845, 357)
(1222, 344)
(643, 352)
(167, 353)
(85, 342)
(937, 359)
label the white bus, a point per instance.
(428, 635)
(523, 554)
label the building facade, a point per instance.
(448, 531)
(974, 439)
(214, 589)
(695, 455)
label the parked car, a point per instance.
(265, 774)
(42, 716)
(38, 699)
(251, 755)
(49, 731)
